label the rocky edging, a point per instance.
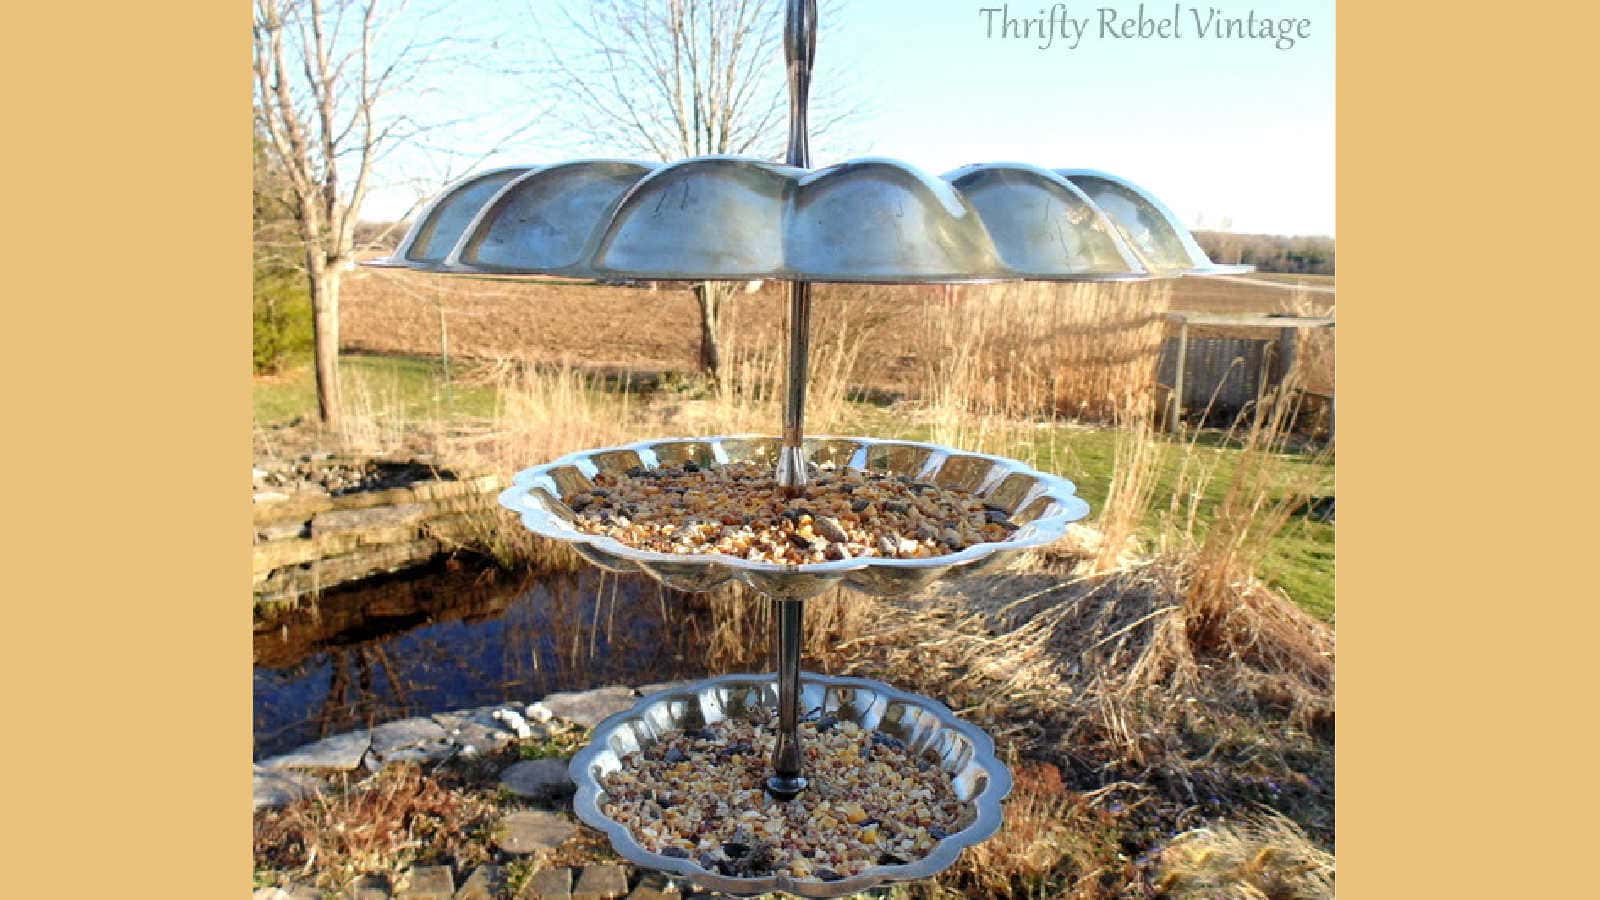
(309, 539)
(302, 772)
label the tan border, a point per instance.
(126, 667)
(1466, 600)
(127, 660)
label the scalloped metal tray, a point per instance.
(1042, 504)
(865, 220)
(927, 726)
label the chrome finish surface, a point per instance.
(928, 727)
(1042, 504)
(866, 220)
(787, 779)
(791, 474)
(1163, 246)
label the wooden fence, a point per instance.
(1210, 380)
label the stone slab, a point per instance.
(646, 690)
(588, 708)
(530, 830)
(476, 729)
(601, 883)
(548, 884)
(342, 751)
(429, 883)
(537, 778)
(372, 517)
(655, 886)
(392, 736)
(281, 531)
(369, 887)
(280, 787)
(487, 882)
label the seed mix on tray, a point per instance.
(739, 510)
(701, 795)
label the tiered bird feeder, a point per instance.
(721, 218)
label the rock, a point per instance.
(601, 883)
(538, 712)
(281, 531)
(369, 887)
(475, 728)
(425, 754)
(392, 736)
(342, 751)
(514, 721)
(429, 883)
(292, 892)
(537, 778)
(486, 882)
(829, 527)
(548, 884)
(268, 497)
(337, 520)
(530, 830)
(280, 787)
(587, 708)
(654, 886)
(646, 690)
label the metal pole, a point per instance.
(791, 455)
(800, 50)
(787, 780)
(1177, 381)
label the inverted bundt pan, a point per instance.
(928, 728)
(1042, 504)
(867, 220)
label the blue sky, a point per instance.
(1226, 131)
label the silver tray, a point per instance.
(729, 218)
(927, 727)
(1043, 505)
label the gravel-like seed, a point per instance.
(738, 510)
(869, 804)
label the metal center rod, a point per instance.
(787, 779)
(799, 50)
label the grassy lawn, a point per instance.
(392, 382)
(1300, 561)
(1301, 558)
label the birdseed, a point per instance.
(701, 795)
(739, 510)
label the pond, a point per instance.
(454, 637)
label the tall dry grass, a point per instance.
(1263, 857)
(1032, 349)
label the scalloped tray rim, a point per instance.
(1049, 528)
(989, 818)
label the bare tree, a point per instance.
(678, 78)
(322, 70)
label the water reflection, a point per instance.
(452, 639)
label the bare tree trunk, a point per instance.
(325, 328)
(711, 295)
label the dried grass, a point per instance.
(1032, 349)
(394, 820)
(1265, 857)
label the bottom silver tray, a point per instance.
(927, 726)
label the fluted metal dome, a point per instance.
(867, 220)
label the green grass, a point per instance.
(415, 385)
(1300, 560)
